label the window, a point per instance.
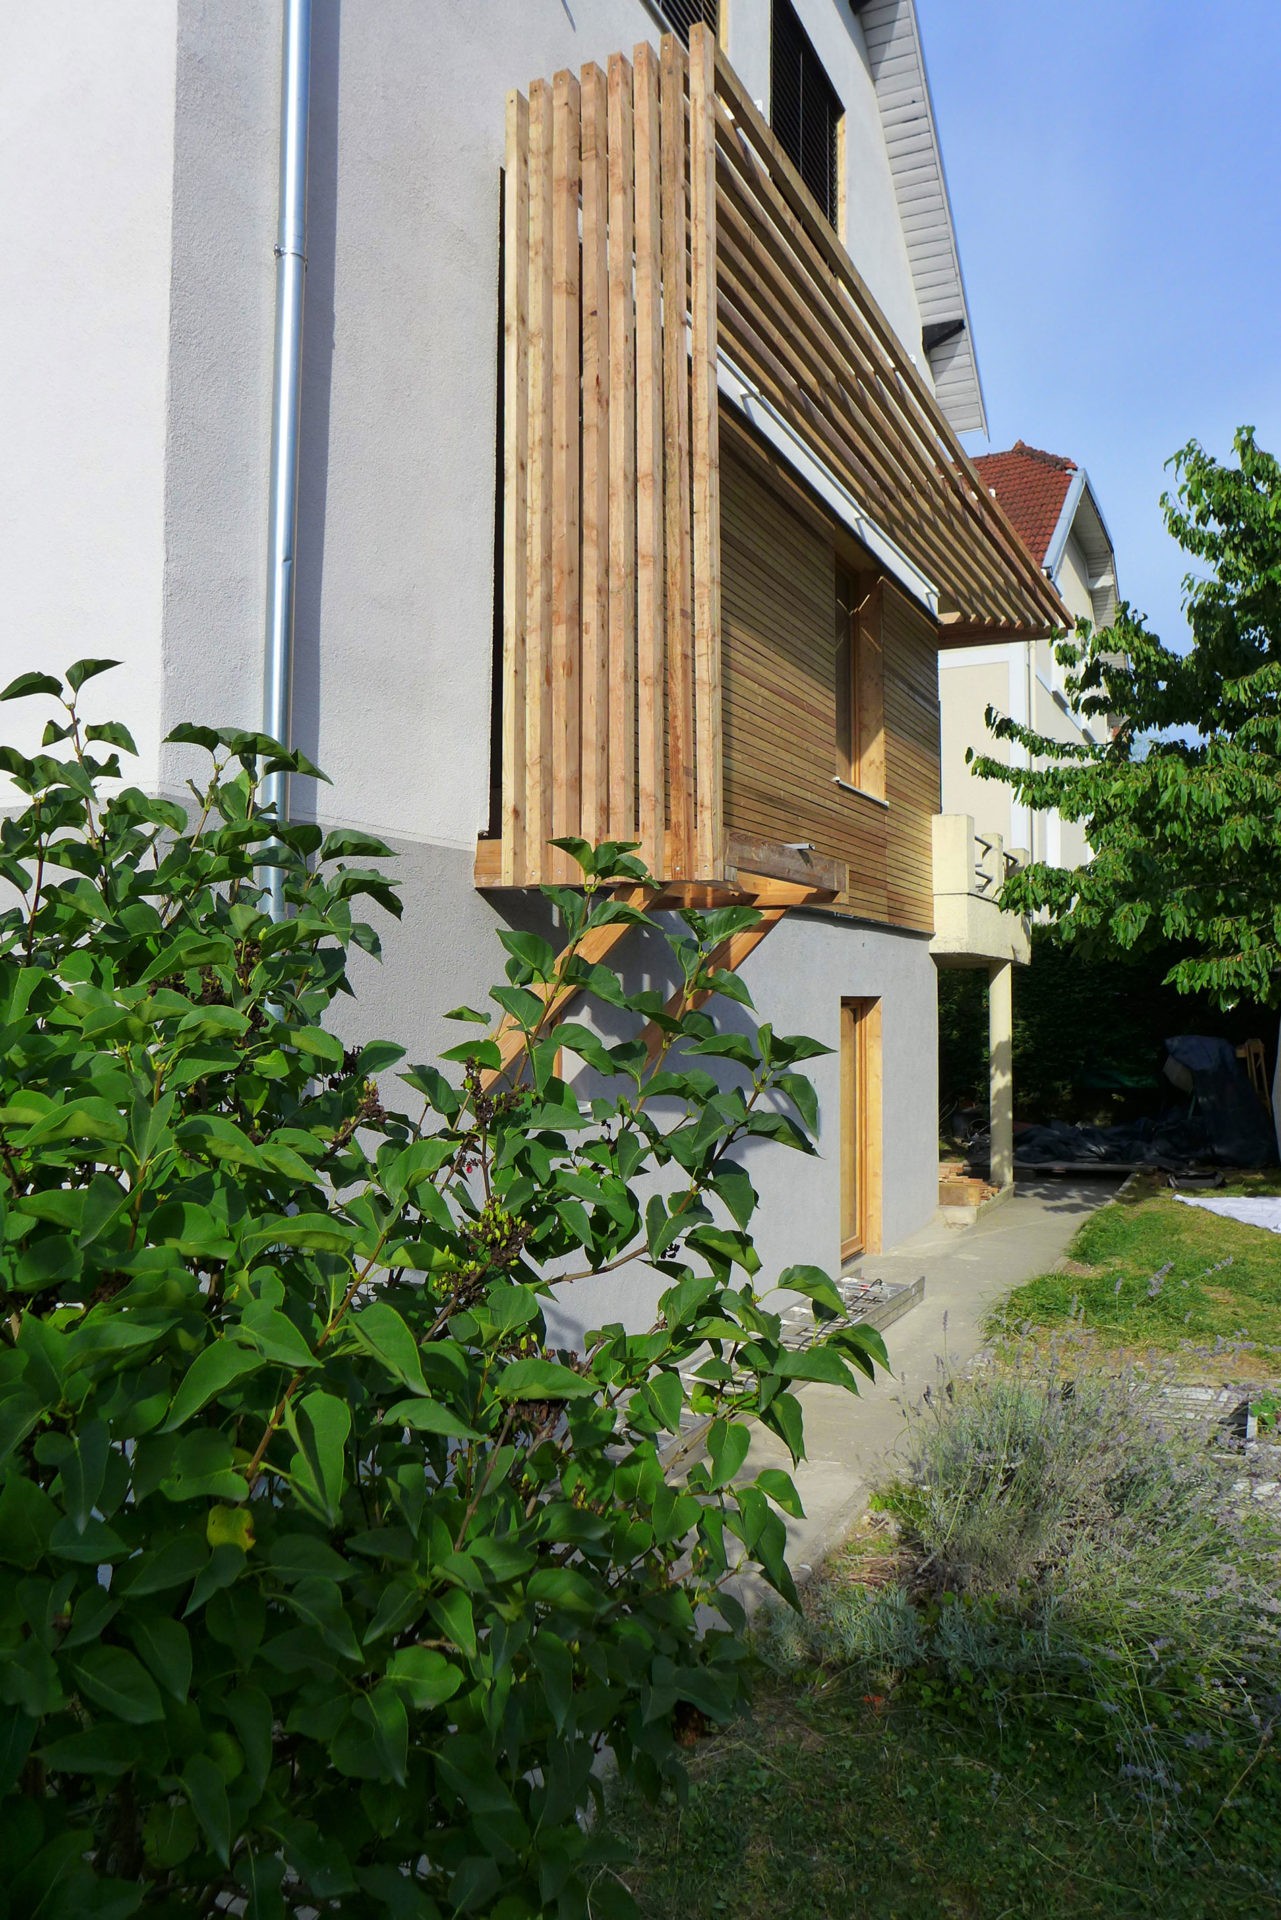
(681, 15)
(804, 110)
(860, 685)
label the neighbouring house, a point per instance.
(1051, 503)
(630, 499)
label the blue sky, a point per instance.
(1115, 173)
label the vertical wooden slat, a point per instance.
(705, 451)
(538, 584)
(680, 690)
(596, 503)
(622, 821)
(651, 728)
(515, 480)
(566, 478)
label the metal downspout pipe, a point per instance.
(286, 404)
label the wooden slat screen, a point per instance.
(654, 229)
(611, 508)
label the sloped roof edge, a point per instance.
(896, 57)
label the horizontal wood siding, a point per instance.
(778, 566)
(912, 776)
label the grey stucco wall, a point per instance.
(446, 951)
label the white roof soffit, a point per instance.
(902, 87)
(1080, 515)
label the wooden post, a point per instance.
(705, 448)
(566, 477)
(680, 689)
(596, 501)
(515, 481)
(650, 686)
(622, 459)
(538, 583)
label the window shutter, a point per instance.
(681, 15)
(804, 109)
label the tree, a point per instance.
(1181, 803)
(325, 1577)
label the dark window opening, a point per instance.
(804, 110)
(684, 14)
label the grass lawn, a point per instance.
(825, 1806)
(1153, 1273)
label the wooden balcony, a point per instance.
(659, 247)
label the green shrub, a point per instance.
(324, 1581)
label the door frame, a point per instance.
(861, 1148)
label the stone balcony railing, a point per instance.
(969, 871)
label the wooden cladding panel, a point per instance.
(611, 539)
(778, 585)
(779, 642)
(912, 757)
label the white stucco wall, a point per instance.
(970, 680)
(86, 163)
(395, 537)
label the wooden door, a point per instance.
(860, 1127)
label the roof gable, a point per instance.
(1031, 485)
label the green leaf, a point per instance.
(727, 1446)
(430, 1416)
(274, 1336)
(210, 1373)
(165, 1646)
(82, 670)
(534, 1379)
(207, 1792)
(29, 683)
(27, 1518)
(110, 1750)
(115, 1680)
(382, 1332)
(169, 1833)
(320, 1424)
(426, 1677)
(815, 1285)
(782, 1490)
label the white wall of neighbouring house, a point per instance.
(86, 176)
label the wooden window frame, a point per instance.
(861, 1147)
(859, 683)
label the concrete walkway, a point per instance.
(967, 1270)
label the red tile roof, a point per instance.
(1031, 486)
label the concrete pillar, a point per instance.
(1000, 1017)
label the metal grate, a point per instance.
(804, 109)
(681, 15)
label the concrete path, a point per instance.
(967, 1270)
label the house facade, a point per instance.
(629, 494)
(1050, 501)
